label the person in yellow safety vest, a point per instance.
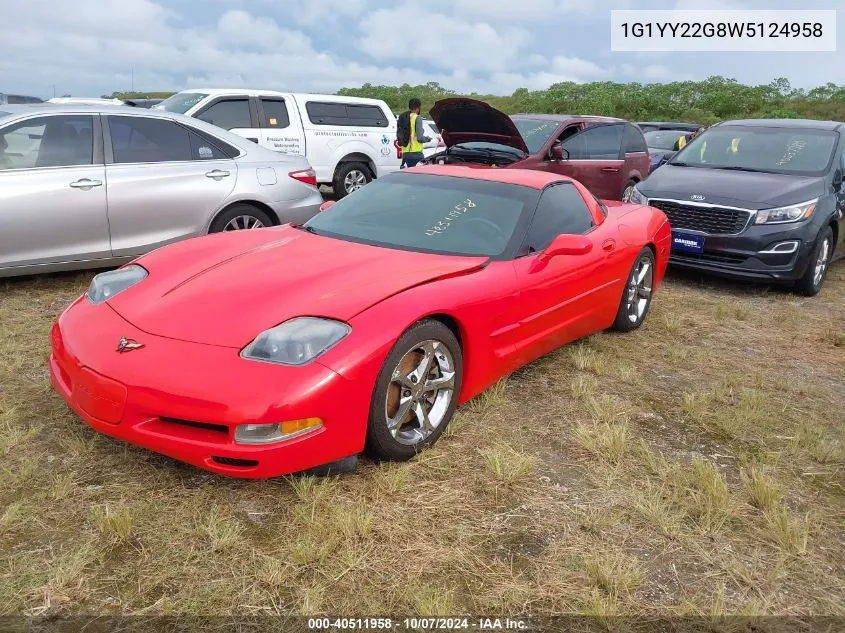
(412, 151)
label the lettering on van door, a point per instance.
(286, 144)
(348, 134)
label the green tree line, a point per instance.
(714, 99)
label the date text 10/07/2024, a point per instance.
(418, 623)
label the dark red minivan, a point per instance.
(609, 156)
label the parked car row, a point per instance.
(719, 218)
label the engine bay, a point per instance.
(472, 156)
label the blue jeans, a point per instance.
(411, 160)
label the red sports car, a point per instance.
(262, 353)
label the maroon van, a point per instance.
(609, 156)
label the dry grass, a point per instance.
(695, 466)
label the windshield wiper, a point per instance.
(738, 168)
(679, 164)
(309, 229)
(489, 151)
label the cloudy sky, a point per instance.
(85, 49)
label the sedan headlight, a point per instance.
(637, 197)
(296, 342)
(106, 285)
(782, 215)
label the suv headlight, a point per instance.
(296, 342)
(782, 215)
(637, 197)
(106, 285)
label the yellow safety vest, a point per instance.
(734, 145)
(682, 141)
(413, 146)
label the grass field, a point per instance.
(695, 466)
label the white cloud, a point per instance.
(445, 42)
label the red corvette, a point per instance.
(262, 353)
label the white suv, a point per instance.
(347, 140)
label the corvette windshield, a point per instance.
(424, 212)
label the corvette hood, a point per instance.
(225, 289)
(463, 120)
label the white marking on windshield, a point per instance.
(441, 225)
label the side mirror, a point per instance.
(566, 244)
(838, 178)
(557, 152)
(328, 204)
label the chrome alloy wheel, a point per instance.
(242, 222)
(420, 391)
(354, 180)
(821, 262)
(639, 289)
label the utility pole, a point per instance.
(132, 89)
(54, 90)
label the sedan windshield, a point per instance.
(535, 132)
(777, 150)
(181, 102)
(430, 213)
(663, 139)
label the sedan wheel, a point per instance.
(421, 389)
(416, 392)
(636, 299)
(242, 222)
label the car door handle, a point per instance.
(217, 174)
(86, 183)
(610, 169)
(608, 245)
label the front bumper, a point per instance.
(184, 399)
(743, 256)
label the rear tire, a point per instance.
(239, 217)
(637, 295)
(413, 403)
(350, 177)
(811, 283)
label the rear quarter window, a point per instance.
(346, 114)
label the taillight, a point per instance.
(308, 176)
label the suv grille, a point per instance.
(712, 220)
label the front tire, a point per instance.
(350, 177)
(811, 283)
(416, 392)
(239, 217)
(636, 298)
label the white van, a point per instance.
(347, 140)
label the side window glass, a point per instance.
(603, 142)
(146, 140)
(50, 141)
(201, 149)
(561, 210)
(634, 141)
(275, 113)
(229, 114)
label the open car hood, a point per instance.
(464, 120)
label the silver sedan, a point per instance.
(95, 186)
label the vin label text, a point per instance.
(723, 30)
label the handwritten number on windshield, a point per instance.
(460, 209)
